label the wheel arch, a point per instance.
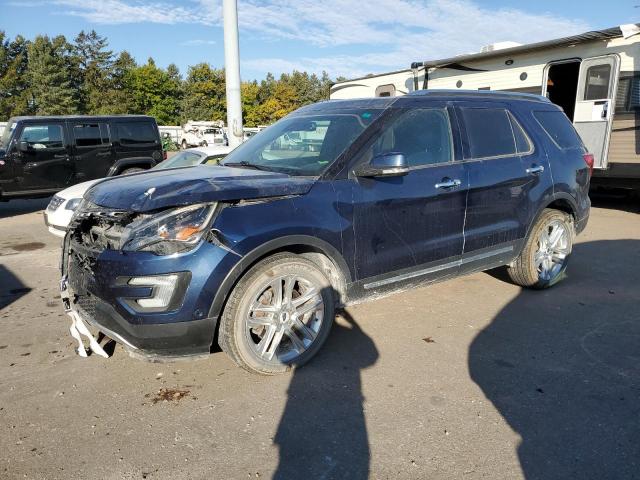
(123, 164)
(320, 252)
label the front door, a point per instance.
(410, 228)
(43, 160)
(595, 104)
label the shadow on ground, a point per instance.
(322, 433)
(562, 366)
(11, 287)
(616, 200)
(12, 208)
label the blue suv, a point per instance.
(339, 202)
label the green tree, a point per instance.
(94, 64)
(204, 94)
(14, 86)
(154, 92)
(117, 98)
(49, 76)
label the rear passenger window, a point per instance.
(559, 128)
(134, 133)
(489, 132)
(90, 134)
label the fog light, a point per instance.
(162, 290)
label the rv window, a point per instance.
(597, 82)
(489, 132)
(559, 128)
(386, 91)
(628, 94)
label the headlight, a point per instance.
(170, 231)
(73, 204)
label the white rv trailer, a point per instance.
(594, 77)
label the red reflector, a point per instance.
(164, 154)
(589, 159)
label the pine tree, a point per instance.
(49, 76)
(94, 64)
(14, 87)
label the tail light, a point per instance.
(589, 159)
(164, 154)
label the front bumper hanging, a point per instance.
(78, 328)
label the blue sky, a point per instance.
(343, 37)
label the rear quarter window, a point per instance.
(137, 133)
(559, 128)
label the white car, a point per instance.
(61, 207)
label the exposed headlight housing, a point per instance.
(173, 231)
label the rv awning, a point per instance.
(606, 34)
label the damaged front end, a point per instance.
(120, 275)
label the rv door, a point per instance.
(595, 104)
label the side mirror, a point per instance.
(23, 146)
(384, 165)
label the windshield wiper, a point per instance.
(245, 164)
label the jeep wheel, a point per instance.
(278, 315)
(544, 259)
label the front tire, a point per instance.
(278, 315)
(543, 260)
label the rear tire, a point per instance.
(543, 260)
(278, 315)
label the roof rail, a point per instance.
(480, 93)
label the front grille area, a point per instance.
(99, 229)
(87, 303)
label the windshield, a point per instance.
(181, 159)
(6, 134)
(303, 145)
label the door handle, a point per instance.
(535, 170)
(448, 183)
(102, 154)
(61, 156)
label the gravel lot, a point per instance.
(473, 378)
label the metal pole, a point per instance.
(232, 72)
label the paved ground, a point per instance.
(474, 378)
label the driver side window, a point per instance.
(423, 135)
(42, 137)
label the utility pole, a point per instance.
(232, 72)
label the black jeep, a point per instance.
(42, 155)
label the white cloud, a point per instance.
(197, 42)
(393, 32)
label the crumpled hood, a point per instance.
(185, 186)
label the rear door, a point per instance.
(595, 104)
(506, 174)
(93, 153)
(45, 163)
